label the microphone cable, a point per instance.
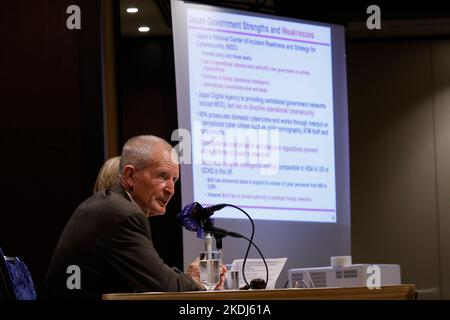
(249, 246)
(264, 260)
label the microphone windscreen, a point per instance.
(188, 219)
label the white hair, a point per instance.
(139, 150)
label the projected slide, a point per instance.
(263, 125)
(261, 110)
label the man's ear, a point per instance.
(128, 175)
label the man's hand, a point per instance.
(221, 284)
(194, 271)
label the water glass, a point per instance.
(231, 278)
(210, 269)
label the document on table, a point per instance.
(255, 268)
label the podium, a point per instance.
(400, 292)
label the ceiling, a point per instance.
(150, 14)
(397, 20)
(156, 14)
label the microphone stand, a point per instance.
(218, 234)
(219, 246)
(208, 226)
(208, 245)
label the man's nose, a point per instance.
(170, 187)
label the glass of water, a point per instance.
(210, 269)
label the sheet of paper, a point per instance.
(255, 268)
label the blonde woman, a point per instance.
(108, 175)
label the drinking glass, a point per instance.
(232, 278)
(210, 269)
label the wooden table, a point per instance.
(401, 292)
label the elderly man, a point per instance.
(108, 241)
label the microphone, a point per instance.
(222, 233)
(196, 218)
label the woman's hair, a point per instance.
(108, 175)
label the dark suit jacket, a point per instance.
(109, 238)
